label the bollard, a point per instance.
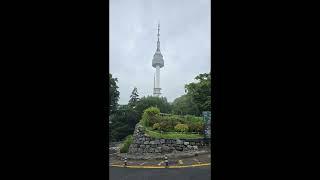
(125, 162)
(166, 160)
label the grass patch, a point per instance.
(127, 142)
(172, 135)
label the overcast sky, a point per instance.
(184, 43)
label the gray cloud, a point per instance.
(184, 37)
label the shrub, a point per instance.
(199, 126)
(166, 123)
(165, 126)
(174, 120)
(192, 119)
(156, 126)
(150, 116)
(192, 127)
(181, 128)
(127, 142)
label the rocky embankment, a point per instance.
(146, 147)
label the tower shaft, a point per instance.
(158, 77)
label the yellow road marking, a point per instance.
(160, 167)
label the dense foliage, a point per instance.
(197, 98)
(151, 101)
(111, 106)
(156, 126)
(113, 94)
(126, 143)
(173, 135)
(124, 119)
(123, 122)
(200, 91)
(181, 128)
(184, 105)
(134, 98)
(151, 118)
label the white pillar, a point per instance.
(157, 76)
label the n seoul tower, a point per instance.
(157, 62)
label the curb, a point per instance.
(161, 167)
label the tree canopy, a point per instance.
(123, 122)
(113, 94)
(200, 91)
(197, 98)
(134, 98)
(184, 105)
(152, 101)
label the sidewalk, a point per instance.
(200, 160)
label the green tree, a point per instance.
(123, 122)
(134, 98)
(151, 101)
(200, 91)
(184, 105)
(113, 94)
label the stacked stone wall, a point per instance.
(143, 144)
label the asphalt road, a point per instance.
(193, 173)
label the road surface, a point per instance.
(193, 173)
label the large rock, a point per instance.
(195, 148)
(151, 150)
(186, 143)
(179, 141)
(179, 148)
(133, 150)
(146, 142)
(165, 148)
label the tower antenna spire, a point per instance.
(158, 42)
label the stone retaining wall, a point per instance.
(142, 143)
